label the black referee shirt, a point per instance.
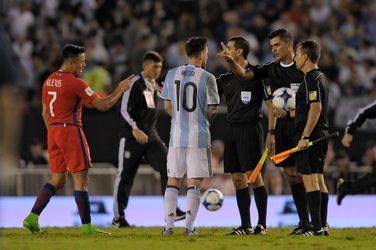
(243, 97)
(279, 75)
(314, 88)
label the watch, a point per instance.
(305, 137)
(271, 131)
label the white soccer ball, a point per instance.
(212, 199)
(284, 98)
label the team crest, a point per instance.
(312, 95)
(246, 96)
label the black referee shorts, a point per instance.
(284, 140)
(311, 161)
(243, 147)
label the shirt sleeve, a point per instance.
(220, 82)
(267, 90)
(82, 89)
(212, 91)
(261, 71)
(165, 94)
(44, 94)
(368, 112)
(313, 89)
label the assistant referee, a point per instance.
(311, 121)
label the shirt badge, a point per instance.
(88, 91)
(246, 96)
(268, 90)
(312, 95)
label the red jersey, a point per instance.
(63, 94)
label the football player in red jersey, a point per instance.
(62, 96)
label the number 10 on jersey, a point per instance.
(188, 94)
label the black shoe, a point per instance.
(120, 222)
(340, 191)
(260, 229)
(312, 232)
(326, 230)
(241, 231)
(299, 230)
(180, 215)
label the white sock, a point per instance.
(193, 203)
(170, 204)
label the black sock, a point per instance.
(83, 205)
(299, 195)
(314, 205)
(324, 208)
(43, 198)
(261, 199)
(243, 198)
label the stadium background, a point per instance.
(117, 33)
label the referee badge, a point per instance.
(246, 96)
(312, 95)
(268, 90)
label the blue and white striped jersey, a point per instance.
(191, 90)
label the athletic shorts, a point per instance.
(67, 149)
(243, 147)
(284, 140)
(195, 162)
(311, 161)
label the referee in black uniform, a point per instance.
(281, 73)
(244, 137)
(139, 137)
(311, 124)
(369, 180)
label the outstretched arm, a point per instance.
(368, 112)
(236, 68)
(104, 104)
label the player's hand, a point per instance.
(126, 83)
(159, 87)
(292, 113)
(303, 144)
(346, 140)
(270, 143)
(140, 136)
(279, 113)
(225, 54)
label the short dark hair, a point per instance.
(241, 43)
(71, 51)
(312, 49)
(281, 33)
(153, 56)
(195, 45)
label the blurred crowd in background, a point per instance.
(116, 33)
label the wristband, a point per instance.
(271, 131)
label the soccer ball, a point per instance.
(212, 199)
(284, 98)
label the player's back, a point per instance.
(190, 89)
(62, 94)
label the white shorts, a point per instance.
(195, 162)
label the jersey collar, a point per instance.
(286, 65)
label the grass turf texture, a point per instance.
(209, 238)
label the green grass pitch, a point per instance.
(209, 238)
